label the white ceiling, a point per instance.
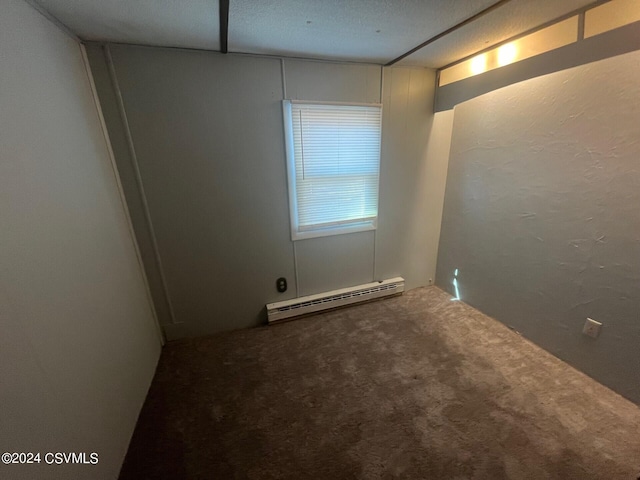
(374, 31)
(365, 30)
(170, 23)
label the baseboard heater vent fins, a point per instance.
(288, 309)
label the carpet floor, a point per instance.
(413, 387)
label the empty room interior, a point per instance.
(338, 239)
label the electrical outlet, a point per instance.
(592, 328)
(281, 284)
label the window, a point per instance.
(333, 166)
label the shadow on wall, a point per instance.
(541, 213)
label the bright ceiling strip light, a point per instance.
(554, 36)
(507, 54)
(478, 64)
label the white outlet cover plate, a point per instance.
(592, 328)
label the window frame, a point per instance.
(329, 230)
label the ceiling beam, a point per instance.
(224, 26)
(450, 30)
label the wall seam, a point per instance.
(284, 80)
(295, 268)
(293, 243)
(375, 232)
(136, 168)
(123, 201)
(581, 20)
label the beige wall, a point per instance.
(208, 137)
(541, 213)
(78, 343)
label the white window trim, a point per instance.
(296, 233)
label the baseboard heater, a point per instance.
(288, 309)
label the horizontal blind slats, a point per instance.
(337, 163)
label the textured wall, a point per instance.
(78, 343)
(541, 213)
(207, 131)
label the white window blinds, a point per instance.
(334, 166)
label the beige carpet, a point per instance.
(414, 387)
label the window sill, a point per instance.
(330, 231)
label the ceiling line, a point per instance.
(240, 53)
(478, 15)
(224, 26)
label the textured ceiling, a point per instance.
(374, 31)
(362, 30)
(173, 23)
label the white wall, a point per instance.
(339, 261)
(78, 343)
(209, 143)
(207, 131)
(415, 153)
(541, 213)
